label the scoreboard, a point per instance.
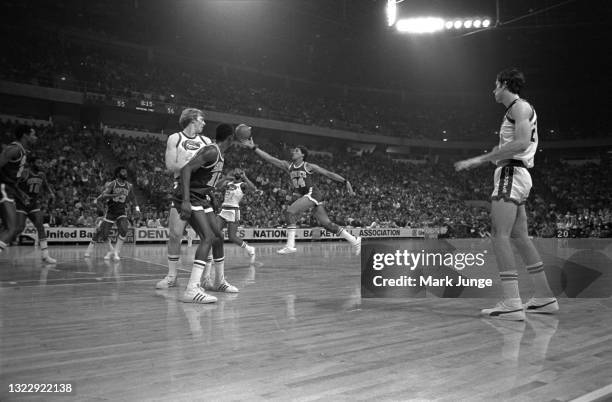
(145, 105)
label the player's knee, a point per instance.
(175, 234)
(40, 229)
(206, 242)
(500, 235)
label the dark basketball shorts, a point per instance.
(114, 214)
(200, 201)
(31, 207)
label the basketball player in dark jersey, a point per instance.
(118, 192)
(33, 184)
(301, 173)
(12, 165)
(194, 201)
(518, 143)
(180, 148)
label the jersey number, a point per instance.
(214, 179)
(34, 188)
(119, 198)
(533, 131)
(298, 182)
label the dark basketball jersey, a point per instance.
(12, 171)
(120, 191)
(207, 176)
(32, 185)
(301, 178)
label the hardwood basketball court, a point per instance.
(298, 330)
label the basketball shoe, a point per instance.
(49, 260)
(287, 250)
(547, 305)
(196, 294)
(167, 282)
(224, 287)
(510, 309)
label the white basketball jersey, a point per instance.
(186, 148)
(507, 132)
(233, 195)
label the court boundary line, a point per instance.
(25, 285)
(153, 263)
(595, 395)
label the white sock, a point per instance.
(219, 270)
(291, 236)
(110, 246)
(208, 268)
(509, 282)
(43, 248)
(173, 261)
(346, 235)
(2, 246)
(196, 273)
(120, 241)
(540, 282)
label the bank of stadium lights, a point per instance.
(422, 25)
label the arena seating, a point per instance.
(388, 193)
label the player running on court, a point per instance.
(300, 171)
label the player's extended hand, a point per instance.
(349, 188)
(468, 163)
(185, 212)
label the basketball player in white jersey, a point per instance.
(518, 142)
(180, 148)
(230, 209)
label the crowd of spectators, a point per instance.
(73, 167)
(116, 73)
(566, 200)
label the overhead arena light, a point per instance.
(391, 12)
(467, 23)
(420, 25)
